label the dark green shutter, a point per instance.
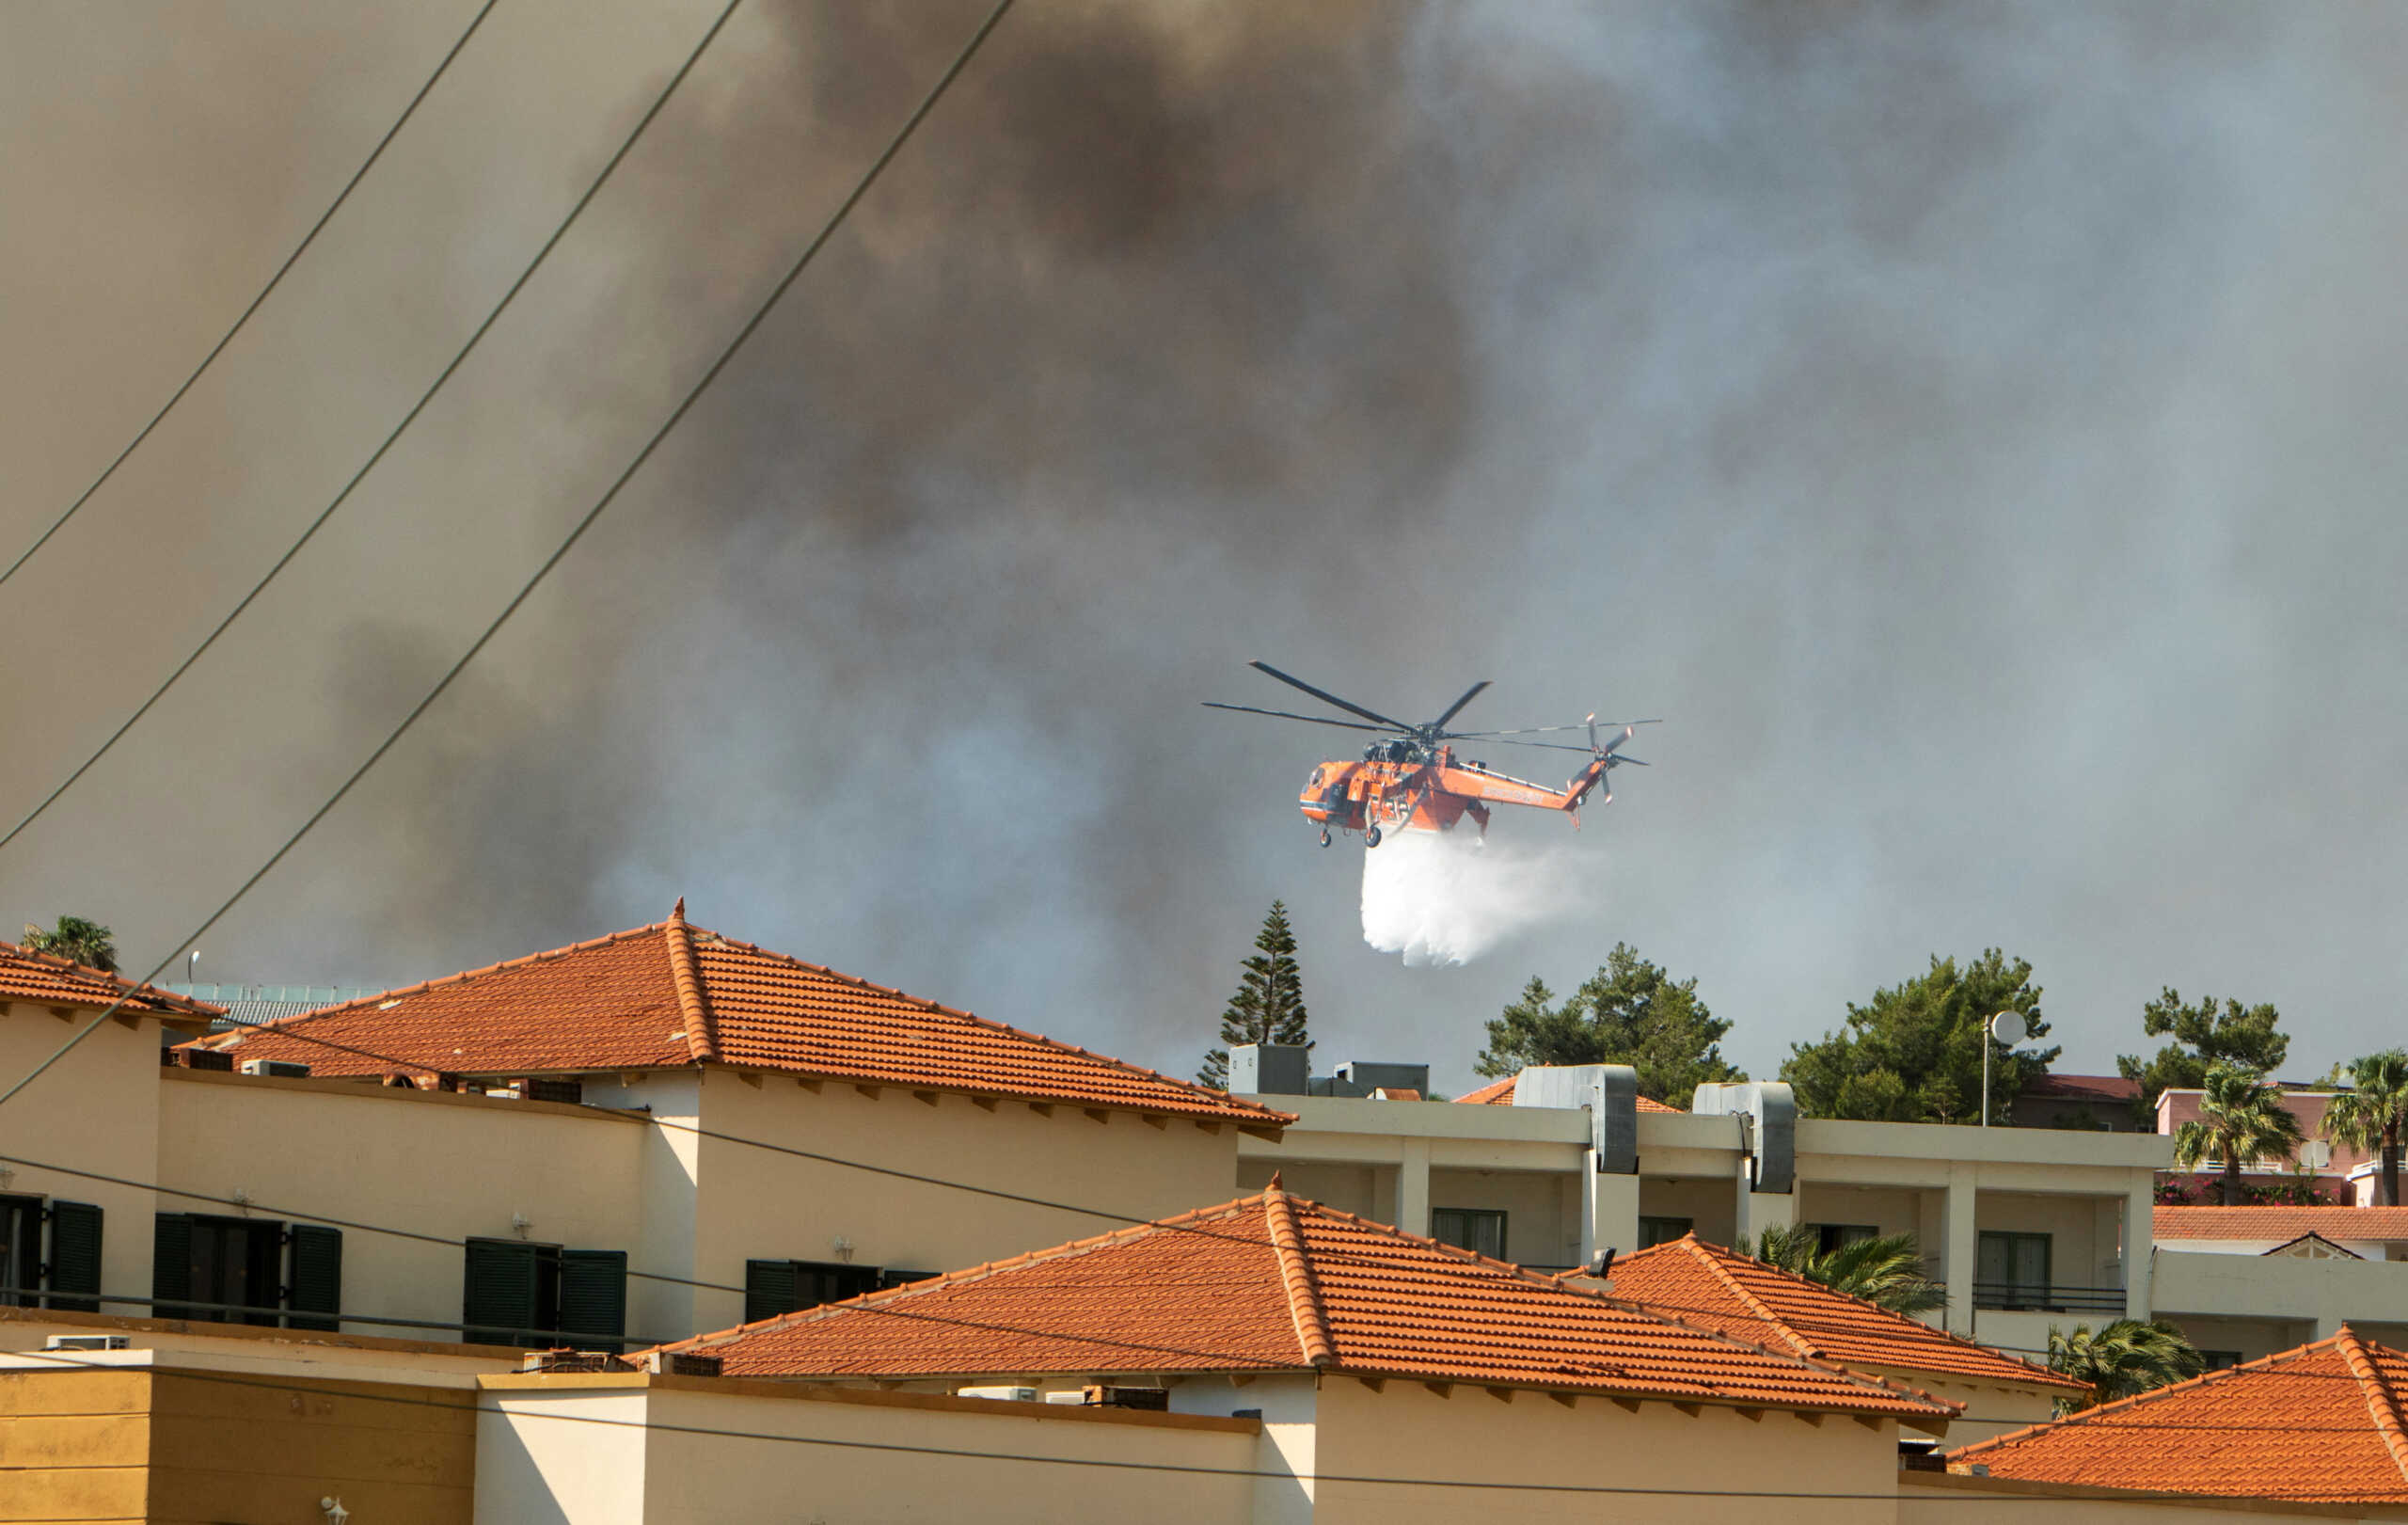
(498, 1298)
(76, 1256)
(315, 1293)
(593, 1296)
(172, 1264)
(769, 1289)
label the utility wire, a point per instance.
(378, 454)
(1270, 1475)
(273, 281)
(526, 589)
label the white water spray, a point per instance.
(1442, 898)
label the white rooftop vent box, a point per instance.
(275, 1067)
(1001, 1394)
(86, 1341)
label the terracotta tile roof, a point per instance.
(1745, 1298)
(2083, 1087)
(1274, 1284)
(2281, 1224)
(2318, 1424)
(45, 979)
(673, 994)
(1500, 1093)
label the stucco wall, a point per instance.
(1538, 1229)
(173, 1446)
(1365, 1190)
(455, 1167)
(2323, 1293)
(757, 1204)
(97, 1109)
(540, 1467)
(1407, 1431)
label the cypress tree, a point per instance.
(1269, 1006)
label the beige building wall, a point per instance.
(163, 1445)
(455, 1167)
(875, 1456)
(1406, 1431)
(756, 1203)
(1990, 1408)
(96, 1110)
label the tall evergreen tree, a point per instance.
(2204, 1034)
(87, 942)
(1269, 1006)
(1628, 1012)
(1913, 1053)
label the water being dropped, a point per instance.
(1441, 899)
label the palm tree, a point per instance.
(2242, 1117)
(1885, 1270)
(2372, 1114)
(2128, 1356)
(87, 943)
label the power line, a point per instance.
(1475, 1484)
(526, 589)
(273, 281)
(378, 454)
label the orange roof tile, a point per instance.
(1500, 1093)
(2318, 1424)
(1745, 1298)
(2281, 1224)
(1274, 1283)
(46, 980)
(672, 995)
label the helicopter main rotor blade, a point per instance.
(1551, 746)
(1535, 730)
(1312, 720)
(1470, 694)
(1333, 699)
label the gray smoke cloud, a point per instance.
(1971, 427)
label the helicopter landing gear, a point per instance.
(1371, 835)
(1325, 836)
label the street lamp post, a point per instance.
(2007, 1027)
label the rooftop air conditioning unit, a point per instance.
(86, 1341)
(1001, 1394)
(681, 1363)
(287, 1068)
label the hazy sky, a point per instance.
(1976, 429)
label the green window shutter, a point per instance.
(497, 1297)
(76, 1256)
(171, 1265)
(768, 1290)
(314, 1294)
(593, 1296)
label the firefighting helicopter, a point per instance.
(1413, 780)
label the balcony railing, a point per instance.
(2027, 1297)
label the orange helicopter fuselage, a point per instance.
(1402, 787)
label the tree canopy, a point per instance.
(2243, 1122)
(1885, 1270)
(2126, 1358)
(2205, 1034)
(1269, 1006)
(2374, 1115)
(1630, 1011)
(87, 942)
(1913, 1053)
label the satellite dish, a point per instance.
(2009, 1028)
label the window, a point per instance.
(539, 1295)
(1480, 1230)
(2011, 1270)
(245, 1271)
(1830, 1236)
(2221, 1361)
(1662, 1230)
(74, 1264)
(775, 1287)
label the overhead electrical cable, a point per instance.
(273, 281)
(1263, 1473)
(526, 589)
(378, 454)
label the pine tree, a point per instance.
(1269, 1006)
